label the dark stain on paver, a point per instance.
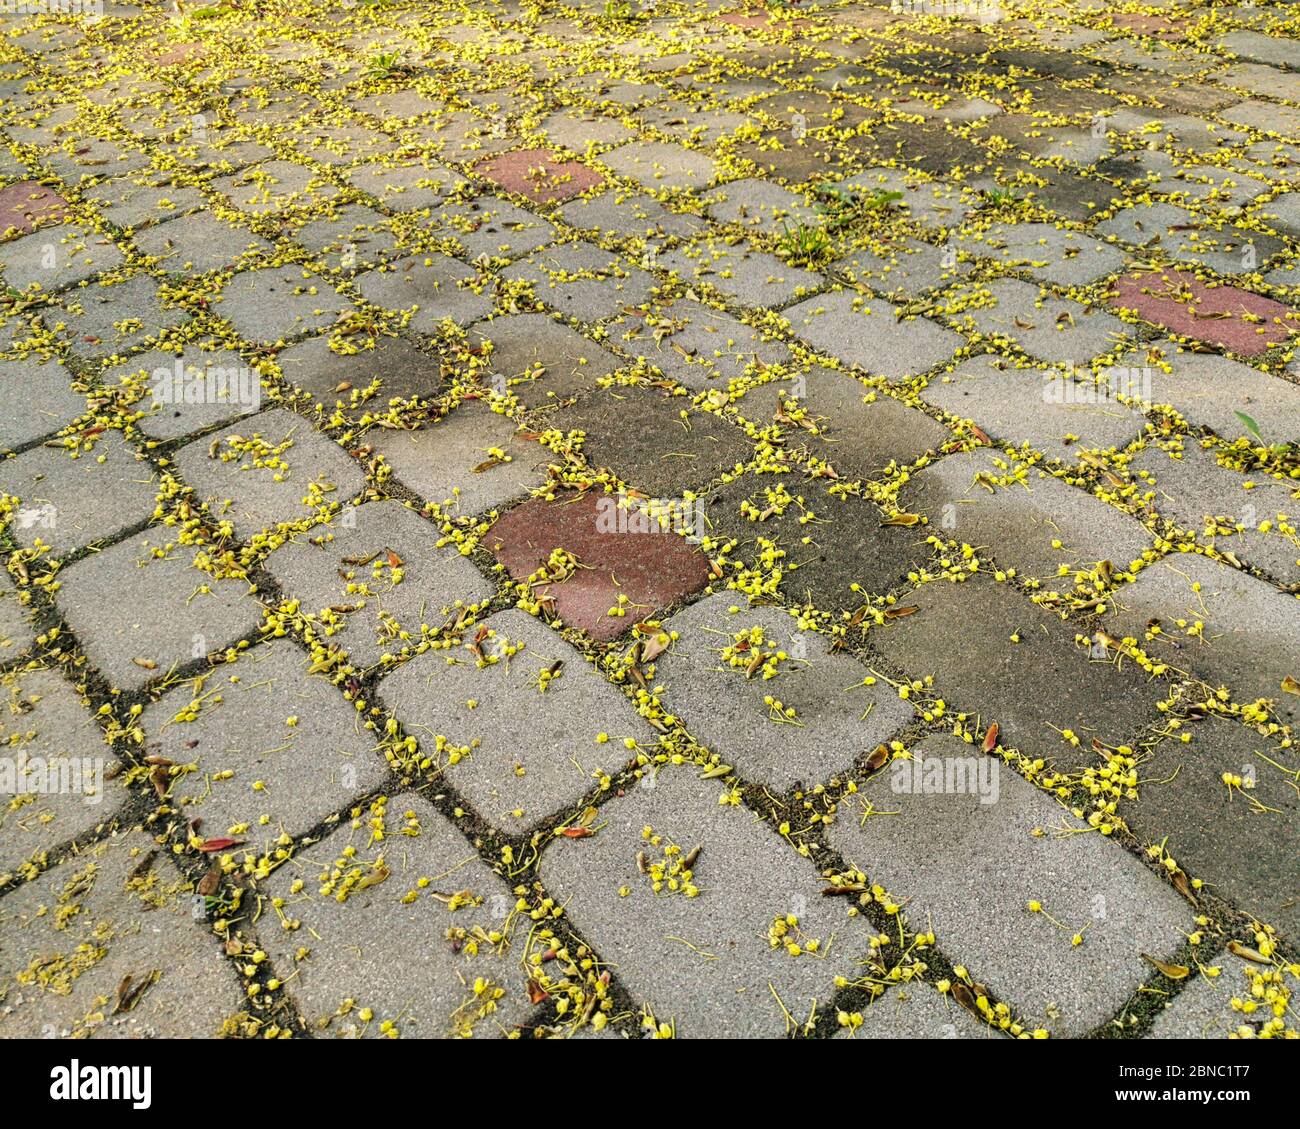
(820, 557)
(1033, 688)
(654, 442)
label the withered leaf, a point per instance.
(654, 647)
(964, 996)
(898, 613)
(379, 874)
(208, 846)
(1237, 949)
(1173, 971)
(210, 881)
(990, 738)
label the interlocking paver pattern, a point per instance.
(516, 501)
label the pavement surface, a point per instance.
(649, 519)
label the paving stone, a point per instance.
(200, 387)
(931, 203)
(138, 202)
(354, 236)
(433, 287)
(541, 360)
(1261, 48)
(254, 489)
(1036, 524)
(1059, 330)
(429, 696)
(388, 608)
(929, 851)
(866, 334)
(54, 774)
(1255, 78)
(26, 205)
(759, 204)
(274, 187)
(1283, 213)
(1045, 251)
(341, 379)
(411, 972)
(659, 165)
(1178, 301)
(36, 399)
(779, 153)
(198, 244)
(1194, 488)
(1209, 390)
(126, 603)
(907, 267)
(405, 186)
(16, 633)
(1209, 185)
(115, 911)
(1074, 197)
(636, 560)
(752, 277)
(338, 145)
(102, 320)
(1246, 643)
(723, 707)
(1203, 1009)
(639, 434)
(262, 719)
(1033, 689)
(623, 214)
(1240, 842)
(1284, 276)
(1147, 225)
(273, 303)
(583, 281)
(68, 502)
(688, 153)
(438, 462)
(917, 1011)
(83, 158)
(689, 125)
(1177, 232)
(699, 346)
(539, 175)
(1267, 117)
(576, 129)
(731, 995)
(1277, 159)
(1048, 410)
(830, 559)
(861, 431)
(492, 227)
(55, 258)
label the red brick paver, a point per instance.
(1224, 316)
(652, 569)
(26, 205)
(539, 175)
